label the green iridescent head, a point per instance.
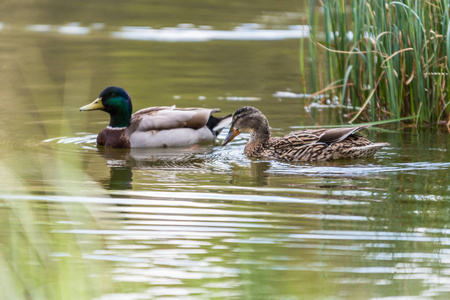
(115, 101)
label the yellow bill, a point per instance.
(96, 104)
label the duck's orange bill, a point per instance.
(230, 136)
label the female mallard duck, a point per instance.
(302, 145)
(161, 126)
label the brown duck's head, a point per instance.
(248, 119)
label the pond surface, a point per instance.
(202, 222)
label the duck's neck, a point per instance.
(259, 136)
(119, 110)
(257, 143)
(119, 120)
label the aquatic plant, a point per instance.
(385, 59)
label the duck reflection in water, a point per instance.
(256, 175)
(122, 162)
(121, 175)
(120, 178)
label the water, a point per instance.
(202, 222)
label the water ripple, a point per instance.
(154, 195)
(370, 236)
(180, 33)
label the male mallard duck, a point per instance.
(161, 126)
(302, 145)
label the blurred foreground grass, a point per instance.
(38, 260)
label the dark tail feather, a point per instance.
(369, 150)
(217, 124)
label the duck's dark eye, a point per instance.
(113, 94)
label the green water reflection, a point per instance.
(202, 222)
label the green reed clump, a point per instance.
(386, 59)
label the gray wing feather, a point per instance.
(171, 118)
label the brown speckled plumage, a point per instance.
(302, 145)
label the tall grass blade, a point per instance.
(394, 53)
